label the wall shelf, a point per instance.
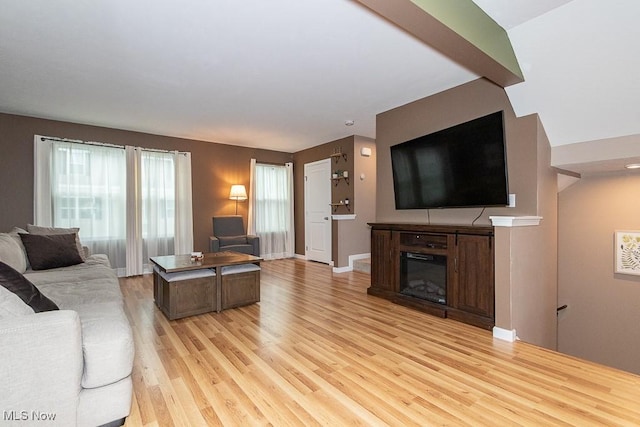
(338, 179)
(336, 156)
(515, 221)
(343, 217)
(335, 206)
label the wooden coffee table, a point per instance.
(184, 287)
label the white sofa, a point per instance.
(70, 366)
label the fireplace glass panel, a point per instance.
(424, 276)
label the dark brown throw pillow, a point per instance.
(36, 229)
(15, 282)
(51, 251)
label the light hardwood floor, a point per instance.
(317, 350)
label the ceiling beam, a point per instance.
(458, 29)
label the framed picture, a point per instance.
(627, 252)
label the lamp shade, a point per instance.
(238, 192)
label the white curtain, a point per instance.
(125, 201)
(151, 189)
(183, 239)
(133, 213)
(79, 185)
(273, 200)
(158, 203)
(43, 207)
(251, 214)
(291, 235)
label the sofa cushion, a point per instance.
(92, 290)
(11, 253)
(240, 268)
(39, 230)
(92, 281)
(232, 240)
(51, 251)
(245, 249)
(15, 282)
(107, 344)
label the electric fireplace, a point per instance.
(424, 276)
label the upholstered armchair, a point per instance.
(229, 235)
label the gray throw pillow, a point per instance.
(51, 251)
(11, 253)
(15, 282)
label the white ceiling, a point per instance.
(287, 74)
(511, 13)
(581, 65)
(279, 74)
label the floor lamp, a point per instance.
(238, 192)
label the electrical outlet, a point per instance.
(512, 201)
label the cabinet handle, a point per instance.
(455, 264)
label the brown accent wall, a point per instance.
(354, 235)
(526, 281)
(314, 154)
(215, 167)
(443, 110)
(348, 236)
(602, 318)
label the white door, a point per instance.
(317, 211)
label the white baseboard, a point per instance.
(358, 256)
(304, 258)
(352, 258)
(505, 334)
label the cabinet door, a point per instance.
(381, 260)
(474, 281)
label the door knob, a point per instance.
(326, 218)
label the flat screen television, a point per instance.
(461, 166)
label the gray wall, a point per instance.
(601, 322)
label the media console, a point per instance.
(443, 270)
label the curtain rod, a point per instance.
(104, 144)
(78, 141)
(271, 163)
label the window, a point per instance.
(89, 191)
(80, 208)
(273, 206)
(158, 195)
(272, 198)
(123, 200)
(72, 161)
